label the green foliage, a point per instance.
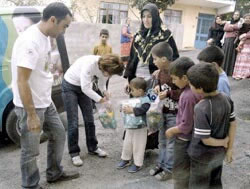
(161, 4)
(243, 6)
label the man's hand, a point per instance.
(128, 109)
(33, 123)
(229, 156)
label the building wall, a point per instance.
(88, 10)
(81, 38)
(189, 20)
(184, 33)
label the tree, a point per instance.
(23, 2)
(161, 4)
(243, 6)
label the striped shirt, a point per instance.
(212, 117)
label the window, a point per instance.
(112, 13)
(172, 16)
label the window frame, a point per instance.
(111, 9)
(169, 17)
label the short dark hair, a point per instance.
(56, 9)
(211, 54)
(139, 83)
(104, 32)
(180, 66)
(204, 76)
(163, 49)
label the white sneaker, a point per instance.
(99, 152)
(77, 161)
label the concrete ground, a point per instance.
(101, 173)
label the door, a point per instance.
(204, 23)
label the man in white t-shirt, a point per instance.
(32, 84)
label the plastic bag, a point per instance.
(154, 116)
(107, 115)
(151, 95)
(129, 120)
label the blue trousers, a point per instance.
(166, 146)
(72, 97)
(30, 146)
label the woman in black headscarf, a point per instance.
(140, 63)
(229, 46)
(216, 32)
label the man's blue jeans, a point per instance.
(30, 141)
(166, 146)
(72, 97)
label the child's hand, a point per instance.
(128, 109)
(162, 95)
(156, 73)
(226, 140)
(169, 133)
(157, 89)
(229, 155)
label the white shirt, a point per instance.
(32, 50)
(81, 73)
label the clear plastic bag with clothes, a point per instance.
(106, 115)
(155, 116)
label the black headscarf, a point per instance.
(156, 20)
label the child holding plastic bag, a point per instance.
(168, 94)
(135, 124)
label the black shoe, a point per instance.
(66, 176)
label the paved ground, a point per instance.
(99, 173)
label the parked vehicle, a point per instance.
(13, 21)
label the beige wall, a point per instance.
(190, 20)
(81, 38)
(184, 33)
